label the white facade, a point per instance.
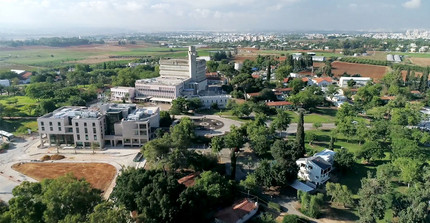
(361, 81)
(177, 77)
(220, 100)
(5, 82)
(316, 169)
(120, 93)
(237, 66)
(318, 58)
(111, 124)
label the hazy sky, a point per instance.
(221, 15)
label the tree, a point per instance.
(165, 119)
(344, 160)
(183, 133)
(263, 174)
(106, 212)
(371, 150)
(217, 144)
(178, 106)
(409, 169)
(260, 138)
(283, 72)
(153, 194)
(234, 140)
(300, 135)
(250, 183)
(242, 110)
(317, 125)
(296, 84)
(332, 90)
(53, 200)
(284, 169)
(340, 194)
(309, 98)
(157, 149)
(372, 203)
(310, 204)
(291, 218)
(281, 121)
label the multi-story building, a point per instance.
(316, 169)
(110, 124)
(122, 93)
(178, 77)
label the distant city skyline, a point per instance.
(220, 15)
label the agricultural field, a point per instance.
(32, 58)
(420, 61)
(365, 70)
(99, 175)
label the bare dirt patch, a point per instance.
(365, 70)
(99, 175)
(420, 61)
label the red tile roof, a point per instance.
(415, 92)
(320, 79)
(254, 94)
(287, 79)
(255, 76)
(237, 211)
(26, 75)
(305, 79)
(278, 103)
(283, 89)
(189, 180)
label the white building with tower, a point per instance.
(178, 77)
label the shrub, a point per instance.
(57, 157)
(4, 146)
(46, 157)
(274, 206)
(291, 218)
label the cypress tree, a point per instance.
(424, 80)
(300, 135)
(269, 71)
(408, 77)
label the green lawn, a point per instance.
(22, 104)
(18, 127)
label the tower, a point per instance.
(192, 55)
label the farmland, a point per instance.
(99, 175)
(32, 58)
(365, 70)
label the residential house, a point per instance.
(316, 169)
(239, 212)
(282, 93)
(322, 81)
(280, 104)
(25, 78)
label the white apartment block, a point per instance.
(110, 124)
(120, 93)
(178, 77)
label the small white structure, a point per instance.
(18, 71)
(316, 169)
(318, 58)
(390, 58)
(237, 66)
(361, 81)
(5, 82)
(297, 56)
(120, 93)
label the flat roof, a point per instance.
(168, 81)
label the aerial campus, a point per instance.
(110, 120)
